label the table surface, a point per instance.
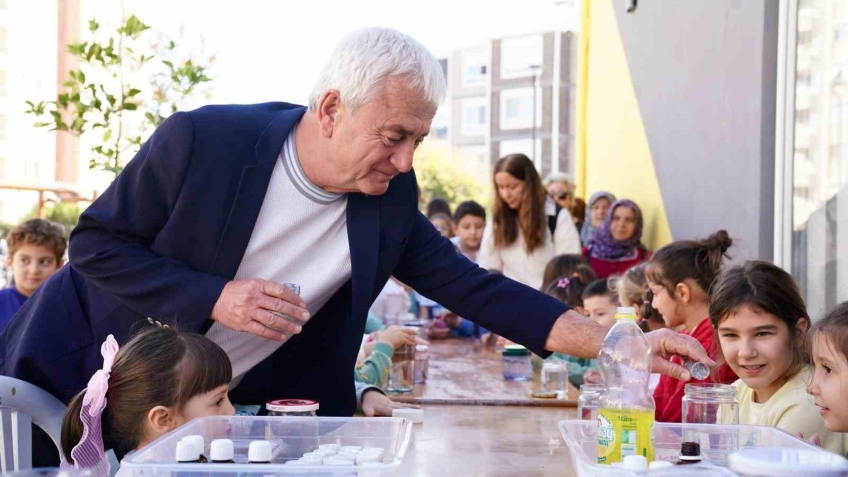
(489, 441)
(462, 373)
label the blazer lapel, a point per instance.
(363, 231)
(251, 194)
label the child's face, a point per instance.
(470, 231)
(828, 385)
(601, 309)
(757, 348)
(666, 304)
(443, 226)
(213, 403)
(32, 265)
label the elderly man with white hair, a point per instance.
(225, 204)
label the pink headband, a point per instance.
(89, 453)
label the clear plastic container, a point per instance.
(626, 407)
(587, 403)
(709, 403)
(288, 443)
(517, 364)
(717, 443)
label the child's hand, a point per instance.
(592, 376)
(375, 404)
(368, 348)
(396, 336)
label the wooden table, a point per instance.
(459, 374)
(489, 441)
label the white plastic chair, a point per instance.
(22, 404)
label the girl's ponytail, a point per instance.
(698, 260)
(72, 427)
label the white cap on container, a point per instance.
(414, 415)
(187, 452)
(197, 441)
(421, 348)
(777, 462)
(367, 457)
(660, 464)
(221, 450)
(337, 461)
(635, 462)
(259, 451)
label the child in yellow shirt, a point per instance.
(762, 322)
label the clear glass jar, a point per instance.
(402, 374)
(709, 403)
(517, 364)
(587, 403)
(422, 363)
(555, 376)
(292, 407)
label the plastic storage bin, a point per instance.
(290, 438)
(717, 443)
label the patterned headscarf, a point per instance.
(606, 247)
(588, 229)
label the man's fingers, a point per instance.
(662, 366)
(263, 331)
(268, 302)
(275, 322)
(667, 343)
(282, 292)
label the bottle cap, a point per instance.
(414, 415)
(625, 313)
(187, 452)
(421, 348)
(690, 449)
(292, 405)
(197, 441)
(635, 462)
(515, 350)
(259, 452)
(221, 450)
(659, 464)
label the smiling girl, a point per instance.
(829, 338)
(761, 322)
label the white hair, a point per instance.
(559, 177)
(366, 58)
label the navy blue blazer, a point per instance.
(170, 232)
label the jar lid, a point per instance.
(292, 405)
(515, 350)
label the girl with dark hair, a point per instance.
(617, 245)
(829, 339)
(158, 381)
(566, 266)
(569, 290)
(680, 275)
(761, 323)
(525, 232)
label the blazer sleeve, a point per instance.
(432, 267)
(111, 245)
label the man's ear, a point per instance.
(329, 112)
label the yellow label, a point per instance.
(623, 432)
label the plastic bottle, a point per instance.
(626, 407)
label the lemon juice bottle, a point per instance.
(626, 407)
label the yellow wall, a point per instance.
(612, 147)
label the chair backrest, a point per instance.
(23, 404)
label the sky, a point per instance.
(274, 50)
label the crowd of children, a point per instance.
(789, 371)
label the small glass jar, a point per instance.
(292, 407)
(555, 376)
(709, 403)
(422, 363)
(402, 373)
(517, 365)
(588, 402)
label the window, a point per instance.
(475, 67)
(475, 116)
(517, 108)
(522, 146)
(819, 167)
(519, 54)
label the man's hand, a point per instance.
(255, 306)
(666, 343)
(375, 404)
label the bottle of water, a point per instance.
(626, 407)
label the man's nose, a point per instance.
(402, 157)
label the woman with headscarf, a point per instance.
(525, 232)
(597, 209)
(617, 245)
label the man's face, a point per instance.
(378, 142)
